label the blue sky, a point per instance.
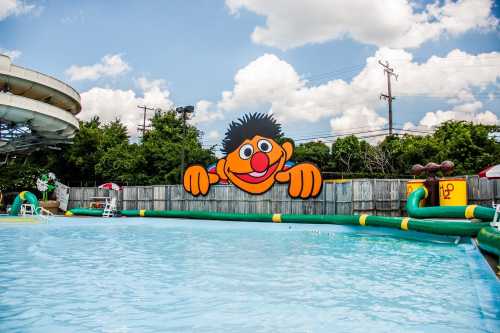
(183, 52)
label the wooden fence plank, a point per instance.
(363, 196)
(343, 198)
(387, 197)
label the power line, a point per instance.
(347, 132)
(415, 130)
(318, 135)
(322, 134)
(360, 137)
(479, 93)
(334, 71)
(333, 74)
(340, 135)
(443, 63)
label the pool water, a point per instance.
(157, 275)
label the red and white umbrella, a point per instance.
(492, 172)
(110, 186)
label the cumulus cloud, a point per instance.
(13, 54)
(269, 82)
(111, 65)
(110, 104)
(205, 112)
(467, 112)
(358, 117)
(213, 136)
(392, 23)
(266, 79)
(14, 8)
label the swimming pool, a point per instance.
(157, 275)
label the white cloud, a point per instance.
(213, 135)
(486, 118)
(467, 112)
(357, 117)
(408, 125)
(111, 65)
(392, 23)
(266, 79)
(13, 54)
(205, 112)
(14, 7)
(110, 104)
(269, 82)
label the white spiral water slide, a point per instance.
(35, 109)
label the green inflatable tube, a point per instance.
(469, 212)
(20, 199)
(84, 212)
(450, 228)
(488, 239)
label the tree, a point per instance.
(157, 159)
(102, 152)
(348, 154)
(163, 148)
(467, 145)
(83, 154)
(90, 145)
(315, 152)
(124, 163)
(113, 134)
(403, 152)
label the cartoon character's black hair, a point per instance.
(248, 127)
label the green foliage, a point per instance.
(348, 154)
(466, 144)
(19, 174)
(315, 152)
(123, 163)
(162, 149)
(103, 152)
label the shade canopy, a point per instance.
(110, 186)
(492, 172)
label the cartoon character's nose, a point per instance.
(259, 161)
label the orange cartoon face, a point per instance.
(254, 164)
(254, 161)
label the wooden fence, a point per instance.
(372, 196)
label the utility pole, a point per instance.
(388, 97)
(184, 110)
(143, 127)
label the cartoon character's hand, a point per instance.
(305, 180)
(197, 180)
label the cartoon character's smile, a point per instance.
(254, 161)
(255, 177)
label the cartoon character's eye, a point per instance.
(246, 151)
(264, 146)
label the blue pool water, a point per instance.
(152, 275)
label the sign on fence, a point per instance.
(62, 195)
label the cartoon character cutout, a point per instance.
(254, 161)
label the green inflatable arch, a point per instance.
(24, 196)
